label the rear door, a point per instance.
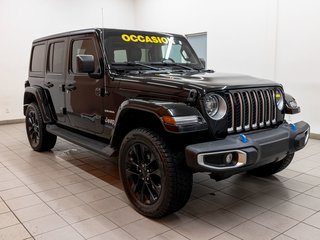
(55, 75)
(84, 104)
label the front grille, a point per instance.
(251, 109)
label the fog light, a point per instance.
(229, 158)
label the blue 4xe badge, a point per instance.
(243, 138)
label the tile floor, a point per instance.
(71, 193)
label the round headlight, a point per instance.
(215, 106)
(279, 99)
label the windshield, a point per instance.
(126, 49)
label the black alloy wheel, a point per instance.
(143, 173)
(39, 138)
(33, 128)
(155, 180)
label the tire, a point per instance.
(156, 181)
(39, 139)
(272, 168)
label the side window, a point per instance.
(56, 54)
(83, 46)
(38, 55)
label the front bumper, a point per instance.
(247, 152)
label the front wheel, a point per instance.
(156, 181)
(272, 168)
(39, 139)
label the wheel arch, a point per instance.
(132, 118)
(38, 95)
(137, 113)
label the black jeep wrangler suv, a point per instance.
(147, 98)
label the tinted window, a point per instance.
(37, 62)
(56, 54)
(83, 46)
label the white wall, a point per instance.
(23, 21)
(298, 56)
(274, 39)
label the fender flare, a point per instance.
(291, 106)
(42, 98)
(162, 109)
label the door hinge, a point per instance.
(62, 87)
(192, 95)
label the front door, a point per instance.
(83, 104)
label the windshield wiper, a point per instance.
(178, 65)
(142, 65)
(156, 69)
(206, 70)
(187, 67)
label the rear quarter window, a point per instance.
(38, 58)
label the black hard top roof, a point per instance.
(66, 34)
(98, 30)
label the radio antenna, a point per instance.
(102, 26)
(103, 43)
(102, 18)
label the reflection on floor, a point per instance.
(72, 193)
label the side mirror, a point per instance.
(85, 63)
(203, 62)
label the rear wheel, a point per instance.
(272, 168)
(39, 138)
(156, 181)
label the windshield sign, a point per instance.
(147, 39)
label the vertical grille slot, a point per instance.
(261, 108)
(239, 111)
(247, 110)
(255, 109)
(230, 116)
(268, 108)
(251, 109)
(273, 107)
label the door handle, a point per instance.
(49, 84)
(70, 87)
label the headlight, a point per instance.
(215, 106)
(279, 99)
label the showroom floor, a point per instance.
(72, 193)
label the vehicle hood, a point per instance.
(202, 82)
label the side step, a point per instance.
(91, 144)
